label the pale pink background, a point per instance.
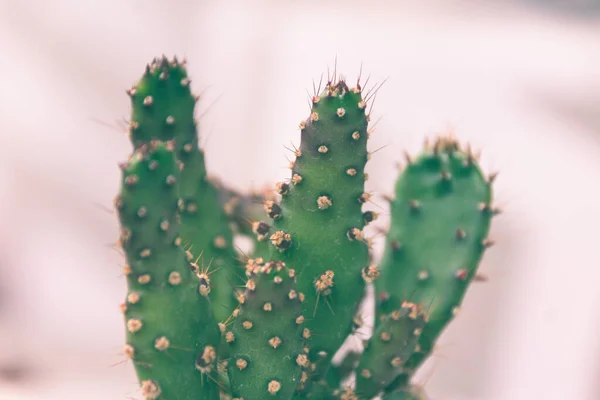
(519, 82)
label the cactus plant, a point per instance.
(284, 310)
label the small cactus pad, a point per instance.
(267, 336)
(243, 209)
(388, 349)
(163, 108)
(440, 219)
(318, 227)
(171, 332)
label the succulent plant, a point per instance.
(204, 322)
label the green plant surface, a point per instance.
(388, 349)
(267, 336)
(440, 220)
(317, 228)
(163, 108)
(172, 335)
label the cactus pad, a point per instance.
(171, 331)
(163, 108)
(440, 219)
(317, 227)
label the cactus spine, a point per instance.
(276, 337)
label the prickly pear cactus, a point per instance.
(172, 335)
(278, 327)
(163, 109)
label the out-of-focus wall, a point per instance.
(510, 79)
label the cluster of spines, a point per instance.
(163, 109)
(266, 335)
(326, 188)
(171, 332)
(440, 220)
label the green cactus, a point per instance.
(317, 227)
(171, 331)
(280, 329)
(441, 217)
(267, 336)
(163, 108)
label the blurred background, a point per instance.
(519, 80)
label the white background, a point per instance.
(520, 83)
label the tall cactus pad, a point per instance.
(388, 349)
(171, 332)
(163, 108)
(317, 228)
(267, 336)
(440, 221)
